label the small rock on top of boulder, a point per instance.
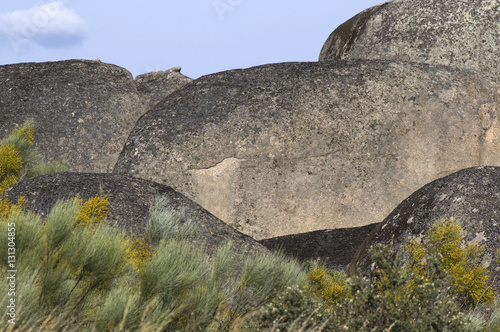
(157, 85)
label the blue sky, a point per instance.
(201, 36)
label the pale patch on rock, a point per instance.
(216, 186)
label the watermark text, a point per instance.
(222, 7)
(11, 272)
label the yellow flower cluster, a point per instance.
(463, 262)
(10, 166)
(138, 251)
(325, 284)
(7, 208)
(12, 150)
(93, 211)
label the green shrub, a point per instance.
(382, 305)
(84, 273)
(295, 310)
(175, 268)
(399, 299)
(265, 276)
(45, 167)
(167, 224)
(208, 292)
(420, 296)
(65, 265)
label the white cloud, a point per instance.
(49, 25)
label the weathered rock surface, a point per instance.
(296, 147)
(83, 110)
(155, 86)
(471, 195)
(463, 34)
(333, 247)
(129, 202)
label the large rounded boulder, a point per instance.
(82, 110)
(471, 196)
(130, 200)
(296, 147)
(463, 34)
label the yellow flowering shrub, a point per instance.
(13, 154)
(25, 132)
(10, 166)
(328, 285)
(462, 262)
(137, 250)
(7, 208)
(93, 211)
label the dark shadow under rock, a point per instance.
(333, 247)
(129, 202)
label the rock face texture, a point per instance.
(471, 195)
(296, 147)
(83, 111)
(129, 203)
(463, 34)
(333, 247)
(155, 86)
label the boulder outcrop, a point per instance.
(333, 247)
(470, 195)
(83, 111)
(129, 203)
(157, 85)
(296, 147)
(463, 34)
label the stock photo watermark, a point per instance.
(11, 272)
(222, 7)
(40, 24)
(26, 27)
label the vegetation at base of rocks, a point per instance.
(167, 224)
(84, 278)
(86, 273)
(79, 274)
(7, 208)
(18, 158)
(444, 287)
(382, 304)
